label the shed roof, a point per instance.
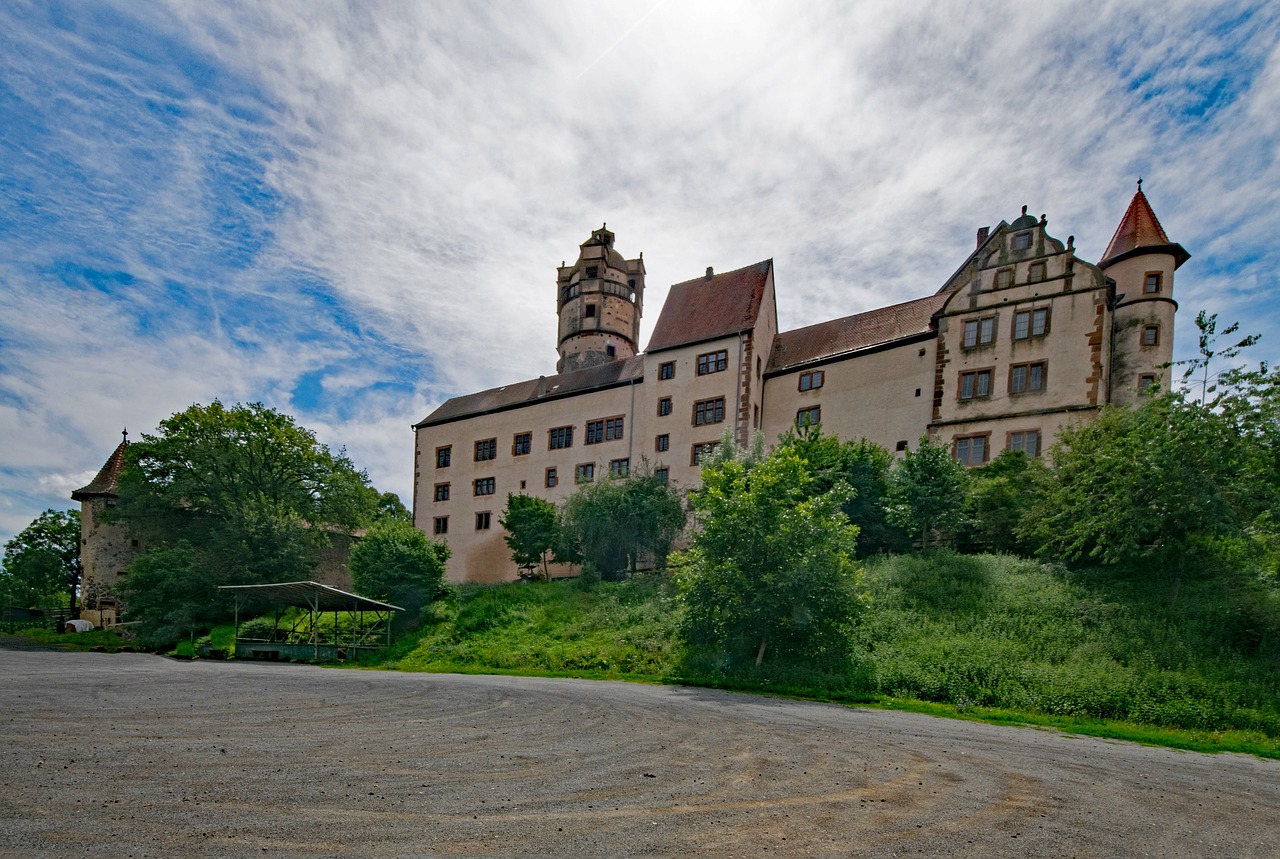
(853, 333)
(710, 307)
(311, 595)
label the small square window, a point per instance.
(810, 381)
(1035, 272)
(443, 456)
(593, 271)
(442, 492)
(590, 312)
(552, 479)
(664, 407)
(440, 525)
(662, 443)
(1147, 382)
(902, 445)
(667, 370)
(1151, 335)
(1004, 278)
(483, 520)
(484, 486)
(1152, 282)
(1022, 241)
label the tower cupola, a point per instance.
(599, 302)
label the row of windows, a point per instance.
(1026, 324)
(976, 449)
(1023, 379)
(602, 429)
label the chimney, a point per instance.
(983, 232)
(710, 273)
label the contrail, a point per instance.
(628, 32)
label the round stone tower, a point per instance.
(599, 302)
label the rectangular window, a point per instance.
(444, 455)
(979, 332)
(552, 478)
(595, 431)
(593, 271)
(664, 407)
(521, 444)
(1035, 272)
(484, 486)
(1030, 323)
(1026, 378)
(1152, 282)
(560, 437)
(708, 412)
(1147, 382)
(1022, 241)
(483, 520)
(702, 451)
(667, 370)
(713, 362)
(971, 450)
(591, 311)
(613, 429)
(663, 474)
(1004, 278)
(1151, 335)
(1027, 441)
(809, 381)
(811, 416)
(585, 472)
(619, 467)
(486, 450)
(975, 384)
(442, 492)
(662, 442)
(440, 525)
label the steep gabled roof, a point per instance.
(1140, 232)
(108, 478)
(707, 308)
(533, 391)
(854, 333)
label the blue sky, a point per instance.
(351, 212)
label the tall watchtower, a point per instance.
(599, 302)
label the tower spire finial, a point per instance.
(124, 435)
(1139, 183)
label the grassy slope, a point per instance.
(1000, 638)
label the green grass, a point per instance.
(1189, 662)
(94, 639)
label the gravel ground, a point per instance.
(136, 755)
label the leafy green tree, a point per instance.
(42, 563)
(926, 494)
(1000, 494)
(396, 562)
(533, 530)
(771, 569)
(612, 524)
(170, 597)
(252, 496)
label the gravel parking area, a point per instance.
(136, 755)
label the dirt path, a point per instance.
(134, 755)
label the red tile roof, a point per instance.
(853, 333)
(707, 308)
(1140, 229)
(533, 391)
(108, 478)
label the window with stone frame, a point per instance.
(971, 449)
(664, 407)
(811, 380)
(483, 520)
(1151, 335)
(979, 332)
(1027, 441)
(551, 479)
(584, 472)
(701, 451)
(662, 443)
(1029, 323)
(975, 385)
(713, 362)
(521, 443)
(1027, 378)
(619, 467)
(708, 411)
(440, 525)
(486, 450)
(442, 492)
(559, 438)
(1036, 272)
(666, 370)
(809, 416)
(1152, 282)
(444, 455)
(484, 486)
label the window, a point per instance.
(595, 431)
(619, 467)
(979, 332)
(1151, 335)
(521, 444)
(442, 492)
(708, 411)
(1152, 282)
(590, 311)
(443, 455)
(701, 451)
(975, 384)
(810, 381)
(667, 370)
(809, 417)
(664, 407)
(486, 450)
(613, 429)
(662, 442)
(713, 362)
(1022, 241)
(1030, 323)
(1035, 272)
(482, 521)
(560, 437)
(1027, 441)
(1004, 278)
(484, 486)
(585, 472)
(611, 350)
(1147, 382)
(593, 271)
(440, 525)
(552, 478)
(663, 474)
(971, 450)
(1026, 378)
(902, 445)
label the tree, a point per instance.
(926, 492)
(533, 530)
(395, 561)
(614, 523)
(770, 572)
(1000, 493)
(251, 496)
(1197, 368)
(42, 563)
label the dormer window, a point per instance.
(1022, 241)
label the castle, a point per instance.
(1023, 339)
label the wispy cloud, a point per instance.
(353, 211)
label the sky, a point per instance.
(351, 212)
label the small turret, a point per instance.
(599, 301)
